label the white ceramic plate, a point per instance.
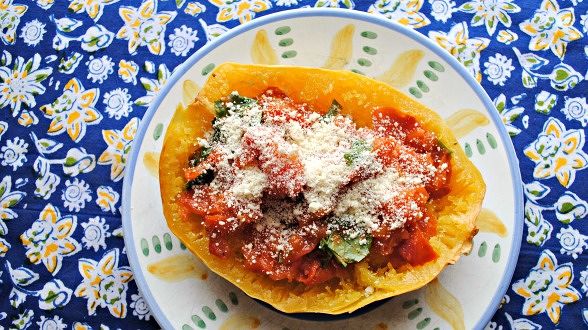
(183, 294)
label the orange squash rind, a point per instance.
(358, 95)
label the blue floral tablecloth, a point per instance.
(77, 76)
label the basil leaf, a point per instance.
(347, 250)
(200, 155)
(334, 109)
(242, 100)
(220, 109)
(357, 148)
(444, 147)
(204, 178)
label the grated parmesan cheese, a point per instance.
(340, 177)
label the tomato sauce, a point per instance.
(233, 228)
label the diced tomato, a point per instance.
(312, 272)
(285, 173)
(259, 260)
(197, 207)
(219, 246)
(416, 250)
(386, 150)
(384, 245)
(420, 139)
(193, 172)
(301, 246)
(281, 109)
(428, 225)
(438, 186)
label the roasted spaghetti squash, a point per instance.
(316, 190)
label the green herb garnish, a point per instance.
(220, 109)
(242, 100)
(334, 109)
(204, 178)
(443, 146)
(200, 155)
(345, 249)
(357, 148)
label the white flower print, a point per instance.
(406, 13)
(490, 13)
(522, 323)
(498, 69)
(153, 86)
(508, 115)
(460, 45)
(118, 103)
(286, 3)
(76, 194)
(584, 279)
(442, 10)
(99, 68)
(572, 242)
(104, 283)
(13, 153)
(32, 32)
(20, 82)
(575, 108)
(584, 22)
(144, 26)
(56, 323)
(10, 15)
(140, 307)
(182, 40)
(95, 233)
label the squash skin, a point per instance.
(358, 95)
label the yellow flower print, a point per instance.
(244, 10)
(406, 13)
(551, 28)
(194, 8)
(10, 15)
(127, 71)
(73, 110)
(107, 198)
(4, 247)
(104, 284)
(94, 8)
(119, 146)
(144, 26)
(490, 13)
(558, 152)
(461, 46)
(547, 288)
(49, 239)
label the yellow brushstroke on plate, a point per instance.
(488, 222)
(189, 91)
(262, 51)
(176, 268)
(402, 69)
(240, 321)
(444, 304)
(341, 49)
(151, 162)
(466, 120)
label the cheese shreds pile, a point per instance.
(280, 164)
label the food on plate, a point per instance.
(316, 190)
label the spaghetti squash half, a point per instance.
(337, 191)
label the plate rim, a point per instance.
(180, 70)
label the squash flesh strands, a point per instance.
(456, 212)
